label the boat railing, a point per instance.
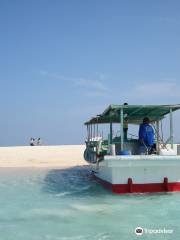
(159, 139)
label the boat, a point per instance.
(116, 160)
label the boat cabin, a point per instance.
(97, 147)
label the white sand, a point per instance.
(42, 156)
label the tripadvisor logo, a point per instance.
(138, 231)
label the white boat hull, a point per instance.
(140, 173)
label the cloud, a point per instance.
(101, 76)
(171, 20)
(93, 84)
(90, 87)
(51, 75)
(94, 94)
(156, 90)
(147, 92)
(43, 73)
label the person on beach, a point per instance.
(39, 142)
(146, 137)
(32, 141)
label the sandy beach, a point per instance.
(42, 156)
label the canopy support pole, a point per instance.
(91, 132)
(158, 137)
(88, 132)
(171, 128)
(122, 130)
(110, 131)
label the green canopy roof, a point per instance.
(134, 113)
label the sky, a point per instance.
(64, 61)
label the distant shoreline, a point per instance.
(42, 156)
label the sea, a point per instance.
(68, 204)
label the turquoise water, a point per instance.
(69, 205)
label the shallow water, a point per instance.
(69, 205)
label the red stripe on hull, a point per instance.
(131, 187)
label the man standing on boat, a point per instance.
(125, 128)
(146, 137)
(125, 125)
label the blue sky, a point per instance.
(64, 61)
